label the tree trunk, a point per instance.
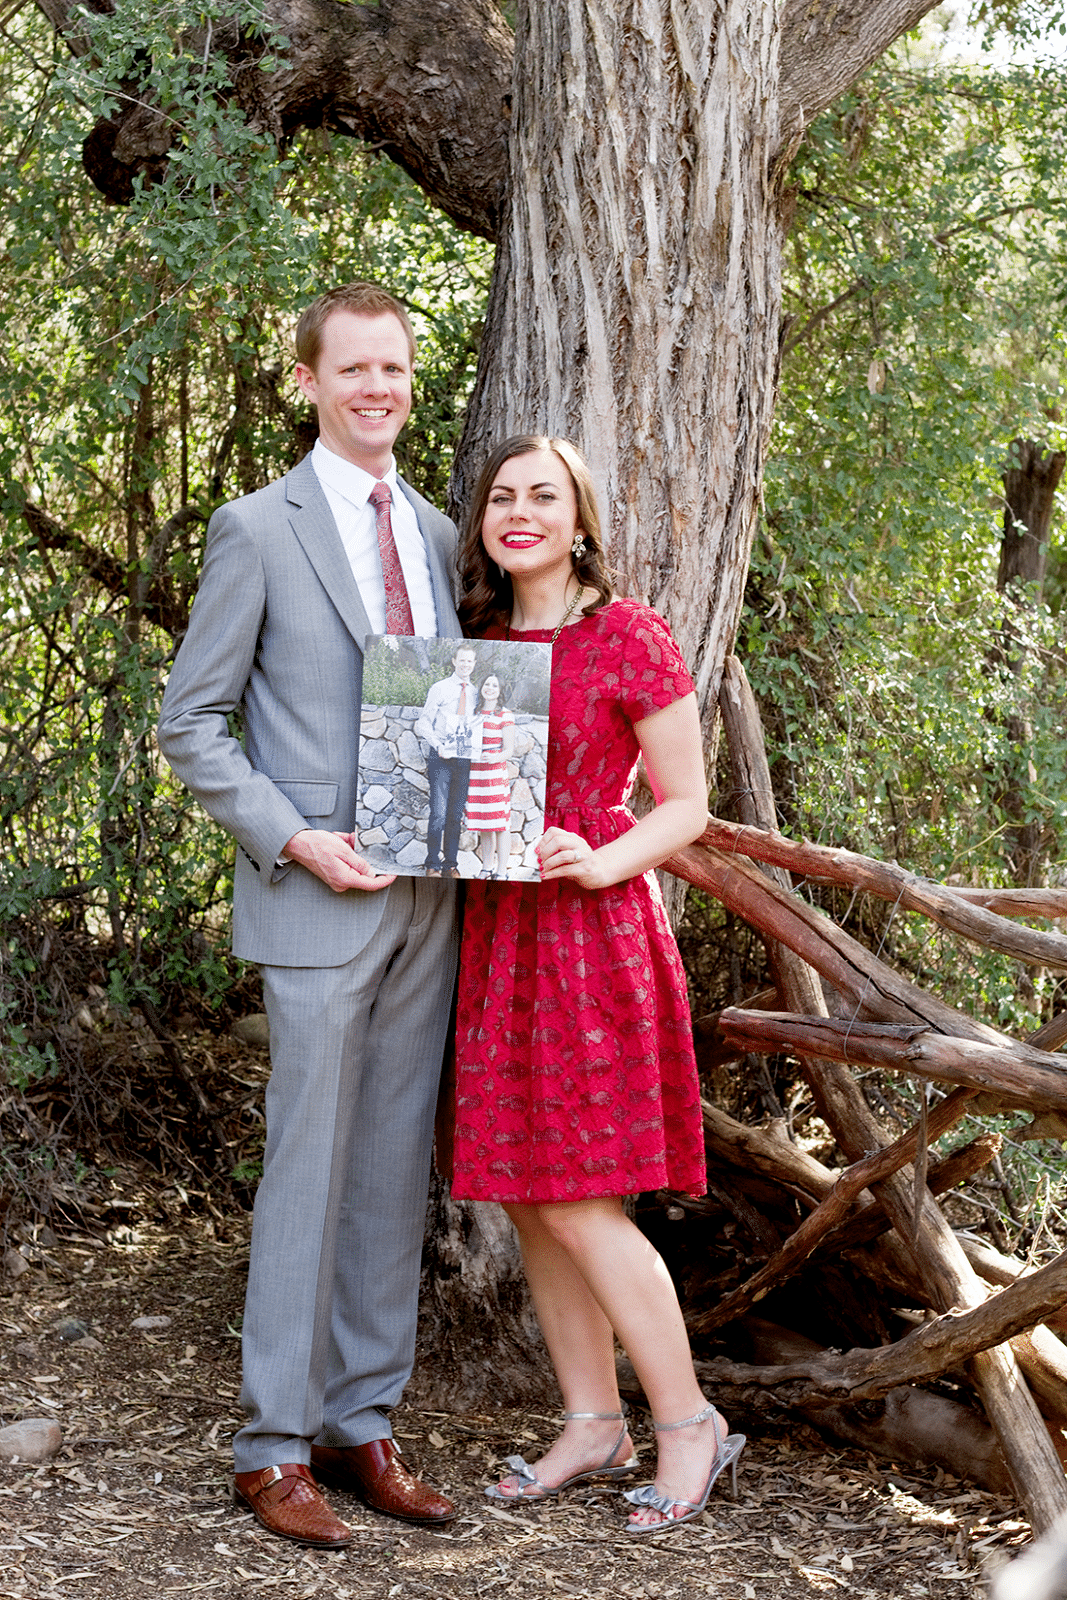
(1030, 484)
(635, 301)
(479, 1343)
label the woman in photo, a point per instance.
(488, 811)
(576, 1082)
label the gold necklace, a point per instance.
(563, 620)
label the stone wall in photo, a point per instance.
(395, 804)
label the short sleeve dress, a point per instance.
(575, 1074)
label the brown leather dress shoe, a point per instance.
(377, 1475)
(288, 1502)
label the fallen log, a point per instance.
(1021, 1077)
(906, 1425)
(767, 1149)
(1042, 1359)
(1048, 903)
(768, 1152)
(926, 1352)
(891, 882)
(1051, 1035)
(868, 986)
(999, 1269)
(871, 1222)
(811, 1232)
(790, 931)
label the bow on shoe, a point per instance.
(646, 1495)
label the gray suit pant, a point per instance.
(333, 1281)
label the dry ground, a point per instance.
(135, 1503)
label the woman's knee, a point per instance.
(576, 1225)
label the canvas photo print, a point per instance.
(453, 756)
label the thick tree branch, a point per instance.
(832, 1211)
(902, 888)
(826, 44)
(1019, 1074)
(940, 1344)
(429, 82)
(161, 607)
(426, 81)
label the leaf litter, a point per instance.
(137, 1500)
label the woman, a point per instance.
(576, 1083)
(488, 812)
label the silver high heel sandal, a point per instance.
(529, 1479)
(726, 1453)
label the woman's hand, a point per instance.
(567, 855)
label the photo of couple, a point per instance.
(453, 754)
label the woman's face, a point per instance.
(491, 690)
(531, 517)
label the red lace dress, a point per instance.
(574, 1054)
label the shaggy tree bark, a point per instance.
(635, 301)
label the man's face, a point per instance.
(361, 387)
(463, 665)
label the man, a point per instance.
(357, 969)
(445, 718)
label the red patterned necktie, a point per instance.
(398, 618)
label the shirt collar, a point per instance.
(345, 478)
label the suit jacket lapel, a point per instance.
(312, 522)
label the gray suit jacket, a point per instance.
(277, 630)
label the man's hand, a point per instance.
(332, 857)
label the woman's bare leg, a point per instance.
(582, 1347)
(628, 1282)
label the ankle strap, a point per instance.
(594, 1416)
(689, 1422)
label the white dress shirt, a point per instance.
(347, 488)
(439, 717)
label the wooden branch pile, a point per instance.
(983, 1321)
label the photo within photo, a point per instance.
(453, 756)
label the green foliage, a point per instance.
(145, 378)
(392, 681)
(924, 287)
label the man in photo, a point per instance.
(447, 727)
(358, 969)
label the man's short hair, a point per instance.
(365, 299)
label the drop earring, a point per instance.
(578, 547)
